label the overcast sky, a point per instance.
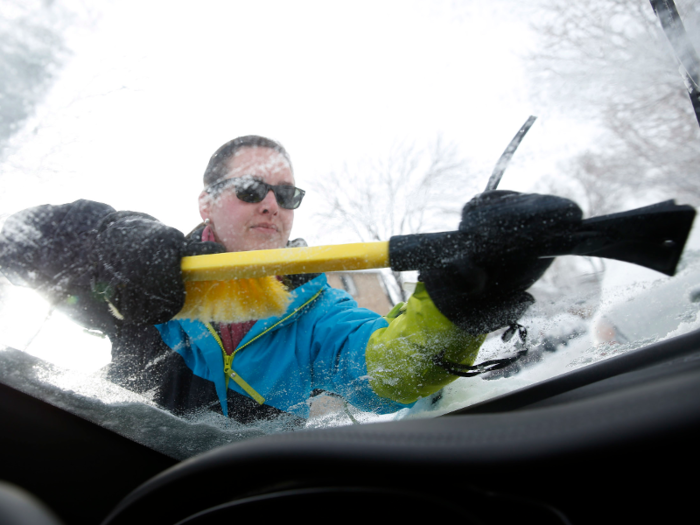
(154, 88)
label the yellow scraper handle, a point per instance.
(286, 261)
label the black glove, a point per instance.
(196, 247)
(136, 266)
(485, 290)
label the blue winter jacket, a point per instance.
(318, 344)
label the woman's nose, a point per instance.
(269, 203)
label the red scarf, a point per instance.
(233, 333)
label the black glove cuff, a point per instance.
(477, 314)
(488, 315)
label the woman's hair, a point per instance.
(217, 169)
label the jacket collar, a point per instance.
(302, 296)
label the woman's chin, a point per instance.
(261, 244)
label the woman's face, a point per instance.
(243, 226)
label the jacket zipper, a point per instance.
(229, 373)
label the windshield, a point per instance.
(394, 115)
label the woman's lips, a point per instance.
(265, 227)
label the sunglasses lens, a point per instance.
(298, 195)
(251, 191)
(285, 197)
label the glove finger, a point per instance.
(203, 248)
(454, 277)
(514, 272)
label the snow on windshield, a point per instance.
(558, 344)
(94, 398)
(628, 316)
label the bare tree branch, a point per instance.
(409, 190)
(608, 61)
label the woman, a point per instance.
(119, 272)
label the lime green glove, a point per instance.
(400, 357)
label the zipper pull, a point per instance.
(228, 361)
(245, 386)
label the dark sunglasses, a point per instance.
(254, 190)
